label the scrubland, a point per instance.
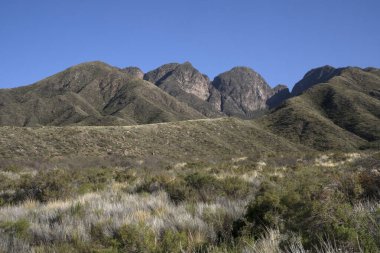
(323, 203)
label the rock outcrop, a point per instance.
(185, 83)
(185, 76)
(242, 92)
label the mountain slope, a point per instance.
(343, 113)
(313, 77)
(91, 93)
(334, 108)
(204, 140)
(95, 93)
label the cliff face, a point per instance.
(185, 83)
(242, 91)
(184, 76)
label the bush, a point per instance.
(370, 182)
(173, 241)
(58, 184)
(136, 239)
(17, 228)
(44, 186)
(208, 187)
(198, 186)
(306, 204)
(235, 188)
(178, 191)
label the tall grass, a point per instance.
(60, 222)
(234, 207)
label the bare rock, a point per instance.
(243, 92)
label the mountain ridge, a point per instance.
(329, 108)
(341, 113)
(95, 85)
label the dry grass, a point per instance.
(57, 222)
(143, 198)
(141, 146)
(329, 160)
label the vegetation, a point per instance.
(92, 93)
(341, 114)
(332, 109)
(284, 183)
(208, 141)
(187, 85)
(322, 203)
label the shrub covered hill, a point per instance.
(329, 109)
(102, 159)
(90, 94)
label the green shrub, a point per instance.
(173, 241)
(208, 187)
(45, 186)
(235, 187)
(56, 248)
(125, 176)
(370, 182)
(59, 184)
(266, 207)
(350, 186)
(200, 180)
(136, 239)
(17, 228)
(221, 222)
(77, 209)
(315, 206)
(178, 191)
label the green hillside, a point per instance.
(91, 93)
(150, 145)
(343, 113)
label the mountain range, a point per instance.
(95, 93)
(329, 108)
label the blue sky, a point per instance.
(281, 39)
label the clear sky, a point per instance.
(281, 39)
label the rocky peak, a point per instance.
(313, 77)
(133, 72)
(183, 76)
(191, 80)
(243, 91)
